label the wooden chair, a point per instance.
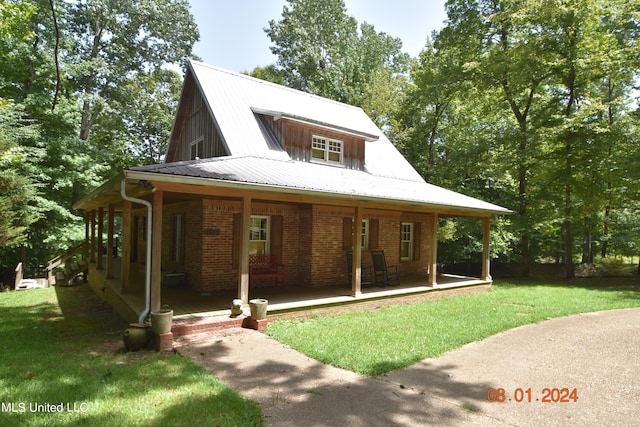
(384, 275)
(366, 277)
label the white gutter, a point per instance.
(147, 283)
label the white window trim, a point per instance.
(410, 241)
(268, 232)
(327, 142)
(365, 234)
(196, 143)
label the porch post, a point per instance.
(110, 226)
(243, 271)
(93, 236)
(87, 237)
(486, 275)
(125, 265)
(433, 260)
(99, 266)
(156, 250)
(356, 270)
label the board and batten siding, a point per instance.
(197, 124)
(296, 137)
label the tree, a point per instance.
(543, 86)
(321, 50)
(17, 191)
(114, 40)
(70, 62)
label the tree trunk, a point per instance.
(568, 235)
(587, 243)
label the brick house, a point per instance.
(257, 168)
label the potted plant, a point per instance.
(161, 320)
(258, 308)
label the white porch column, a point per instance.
(156, 250)
(243, 270)
(356, 270)
(486, 275)
(433, 252)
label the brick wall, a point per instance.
(312, 242)
(217, 269)
(328, 257)
(190, 264)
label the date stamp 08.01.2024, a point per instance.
(528, 395)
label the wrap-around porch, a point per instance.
(190, 304)
(124, 280)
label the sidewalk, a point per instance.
(594, 353)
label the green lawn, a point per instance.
(376, 341)
(60, 346)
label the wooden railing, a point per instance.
(62, 259)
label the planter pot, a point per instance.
(136, 336)
(258, 308)
(161, 321)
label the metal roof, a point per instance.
(233, 99)
(313, 178)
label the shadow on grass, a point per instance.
(64, 345)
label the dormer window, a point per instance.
(326, 150)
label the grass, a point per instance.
(61, 346)
(374, 342)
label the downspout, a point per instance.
(147, 281)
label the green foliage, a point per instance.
(77, 77)
(17, 190)
(528, 104)
(321, 50)
(400, 337)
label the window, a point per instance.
(259, 235)
(406, 241)
(326, 150)
(197, 148)
(178, 238)
(365, 234)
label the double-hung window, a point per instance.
(259, 235)
(406, 241)
(326, 150)
(365, 234)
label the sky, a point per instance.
(232, 31)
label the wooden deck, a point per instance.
(190, 304)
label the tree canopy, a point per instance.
(70, 72)
(530, 104)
